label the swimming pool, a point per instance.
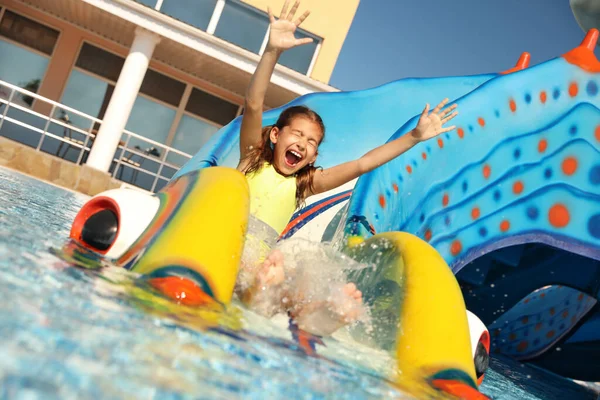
(71, 332)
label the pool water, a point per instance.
(71, 330)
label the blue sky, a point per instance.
(394, 39)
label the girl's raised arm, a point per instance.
(281, 38)
(429, 126)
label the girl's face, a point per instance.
(296, 145)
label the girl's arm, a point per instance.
(429, 126)
(281, 38)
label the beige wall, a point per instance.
(329, 19)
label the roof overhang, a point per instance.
(214, 60)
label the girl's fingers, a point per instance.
(300, 42)
(293, 10)
(302, 18)
(449, 117)
(271, 17)
(284, 9)
(425, 111)
(448, 109)
(440, 106)
(448, 129)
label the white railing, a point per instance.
(77, 130)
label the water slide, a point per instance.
(522, 170)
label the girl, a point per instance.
(278, 160)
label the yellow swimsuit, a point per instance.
(272, 197)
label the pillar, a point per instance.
(121, 103)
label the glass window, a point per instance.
(193, 12)
(192, 134)
(299, 58)
(100, 62)
(162, 87)
(28, 32)
(211, 107)
(87, 94)
(242, 26)
(149, 119)
(149, 3)
(108, 65)
(21, 67)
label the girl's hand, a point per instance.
(281, 36)
(431, 125)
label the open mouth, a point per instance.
(292, 158)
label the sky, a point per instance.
(395, 39)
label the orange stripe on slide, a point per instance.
(458, 389)
(182, 290)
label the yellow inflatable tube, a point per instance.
(432, 340)
(191, 250)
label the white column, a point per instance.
(120, 105)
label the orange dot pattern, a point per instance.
(455, 247)
(573, 89)
(487, 171)
(569, 165)
(428, 235)
(559, 216)
(445, 199)
(518, 187)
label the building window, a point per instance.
(87, 94)
(91, 85)
(24, 53)
(100, 62)
(28, 32)
(300, 58)
(21, 67)
(239, 24)
(211, 107)
(203, 117)
(162, 87)
(242, 26)
(192, 134)
(25, 46)
(150, 119)
(193, 12)
(108, 65)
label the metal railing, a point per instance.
(74, 129)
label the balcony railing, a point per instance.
(69, 134)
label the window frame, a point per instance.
(216, 17)
(3, 10)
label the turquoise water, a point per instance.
(71, 332)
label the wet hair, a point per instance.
(263, 153)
